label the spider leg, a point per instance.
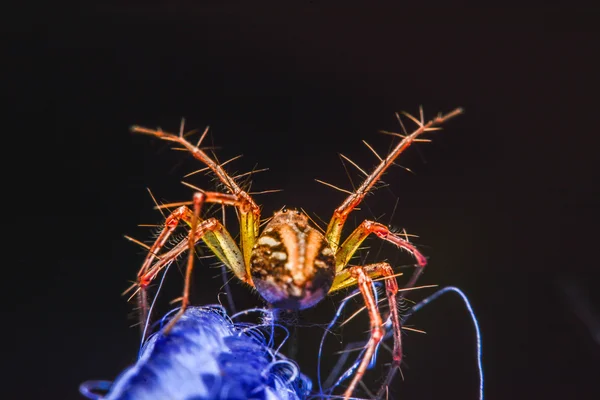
(248, 210)
(353, 242)
(334, 229)
(361, 276)
(346, 277)
(198, 201)
(211, 231)
(350, 277)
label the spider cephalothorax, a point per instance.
(291, 264)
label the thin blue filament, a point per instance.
(360, 345)
(465, 299)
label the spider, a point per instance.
(291, 264)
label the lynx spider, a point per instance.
(291, 264)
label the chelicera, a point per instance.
(290, 263)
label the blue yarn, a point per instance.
(206, 356)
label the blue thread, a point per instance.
(350, 371)
(89, 388)
(360, 345)
(462, 295)
(206, 356)
(145, 332)
(333, 321)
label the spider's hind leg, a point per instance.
(362, 276)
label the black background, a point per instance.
(505, 199)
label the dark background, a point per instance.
(505, 199)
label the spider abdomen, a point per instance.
(292, 265)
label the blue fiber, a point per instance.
(206, 356)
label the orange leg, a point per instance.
(353, 242)
(210, 230)
(248, 210)
(362, 277)
(198, 201)
(185, 214)
(347, 277)
(334, 229)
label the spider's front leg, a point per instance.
(362, 276)
(340, 215)
(248, 210)
(215, 235)
(345, 251)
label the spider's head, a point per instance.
(292, 265)
(289, 216)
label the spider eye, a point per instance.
(284, 209)
(298, 212)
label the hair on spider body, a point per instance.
(291, 264)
